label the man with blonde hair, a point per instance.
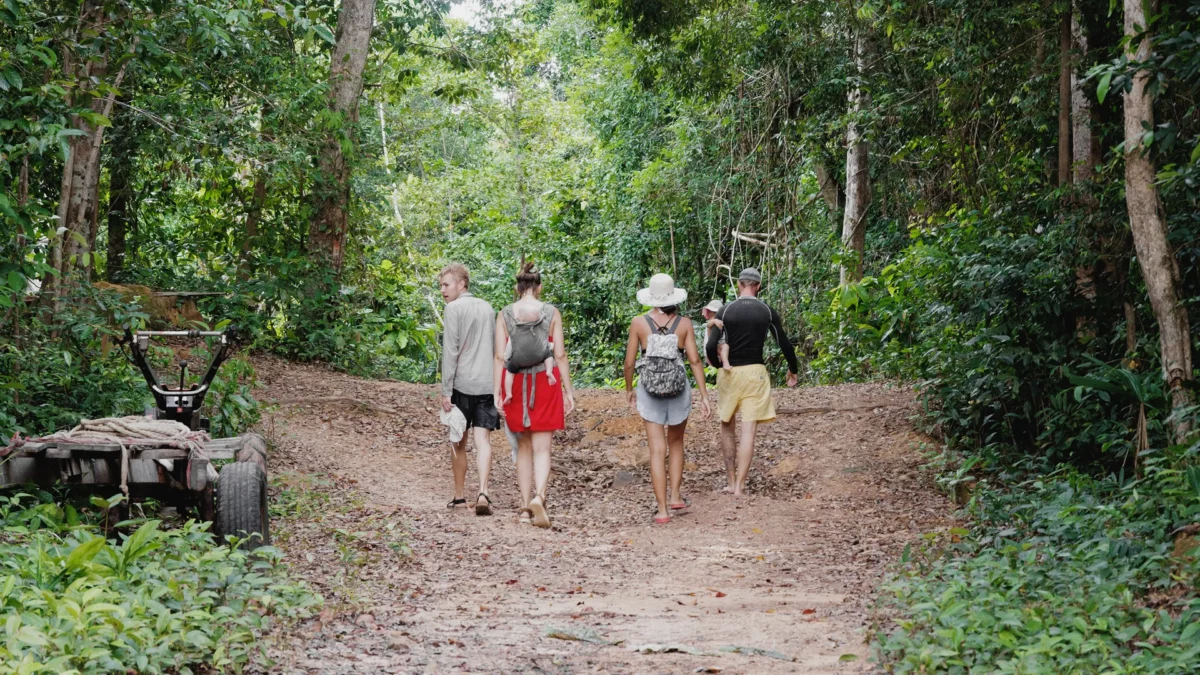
(468, 341)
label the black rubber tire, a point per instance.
(242, 504)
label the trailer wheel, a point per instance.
(242, 504)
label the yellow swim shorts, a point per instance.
(748, 389)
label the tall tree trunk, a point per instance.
(1083, 146)
(258, 200)
(831, 192)
(1064, 99)
(1083, 165)
(122, 205)
(327, 231)
(858, 152)
(81, 171)
(1148, 223)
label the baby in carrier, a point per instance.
(528, 345)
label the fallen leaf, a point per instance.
(656, 648)
(809, 611)
(581, 634)
(756, 651)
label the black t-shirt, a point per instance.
(747, 322)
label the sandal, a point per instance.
(526, 517)
(540, 517)
(458, 501)
(662, 520)
(484, 509)
(679, 506)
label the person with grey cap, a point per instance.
(663, 397)
(709, 312)
(746, 387)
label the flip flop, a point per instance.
(540, 517)
(484, 509)
(456, 502)
(680, 506)
(662, 520)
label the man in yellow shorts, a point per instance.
(746, 388)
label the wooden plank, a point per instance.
(100, 451)
(144, 471)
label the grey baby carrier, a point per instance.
(529, 340)
(661, 369)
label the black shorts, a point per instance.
(480, 410)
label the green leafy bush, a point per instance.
(1063, 573)
(156, 601)
(66, 366)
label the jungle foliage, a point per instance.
(984, 253)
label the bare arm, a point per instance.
(693, 356)
(451, 348)
(560, 358)
(631, 349)
(498, 359)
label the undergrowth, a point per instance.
(156, 600)
(1062, 573)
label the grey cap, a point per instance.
(750, 274)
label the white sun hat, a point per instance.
(714, 305)
(661, 292)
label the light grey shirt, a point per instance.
(468, 345)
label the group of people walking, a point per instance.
(516, 362)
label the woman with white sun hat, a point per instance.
(663, 397)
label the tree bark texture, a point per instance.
(77, 209)
(1083, 156)
(1083, 146)
(1064, 99)
(831, 192)
(258, 200)
(858, 152)
(1148, 223)
(122, 206)
(328, 229)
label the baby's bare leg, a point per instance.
(508, 384)
(550, 370)
(723, 352)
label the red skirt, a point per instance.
(546, 412)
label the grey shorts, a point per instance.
(666, 411)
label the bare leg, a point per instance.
(745, 454)
(541, 474)
(549, 363)
(483, 457)
(541, 461)
(508, 383)
(729, 451)
(658, 474)
(458, 464)
(675, 459)
(723, 353)
(525, 467)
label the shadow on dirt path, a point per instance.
(790, 571)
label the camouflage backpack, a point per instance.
(661, 369)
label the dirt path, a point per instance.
(836, 497)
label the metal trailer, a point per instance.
(235, 502)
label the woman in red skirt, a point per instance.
(536, 407)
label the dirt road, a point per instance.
(786, 576)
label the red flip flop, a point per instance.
(662, 520)
(680, 506)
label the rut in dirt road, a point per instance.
(779, 583)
